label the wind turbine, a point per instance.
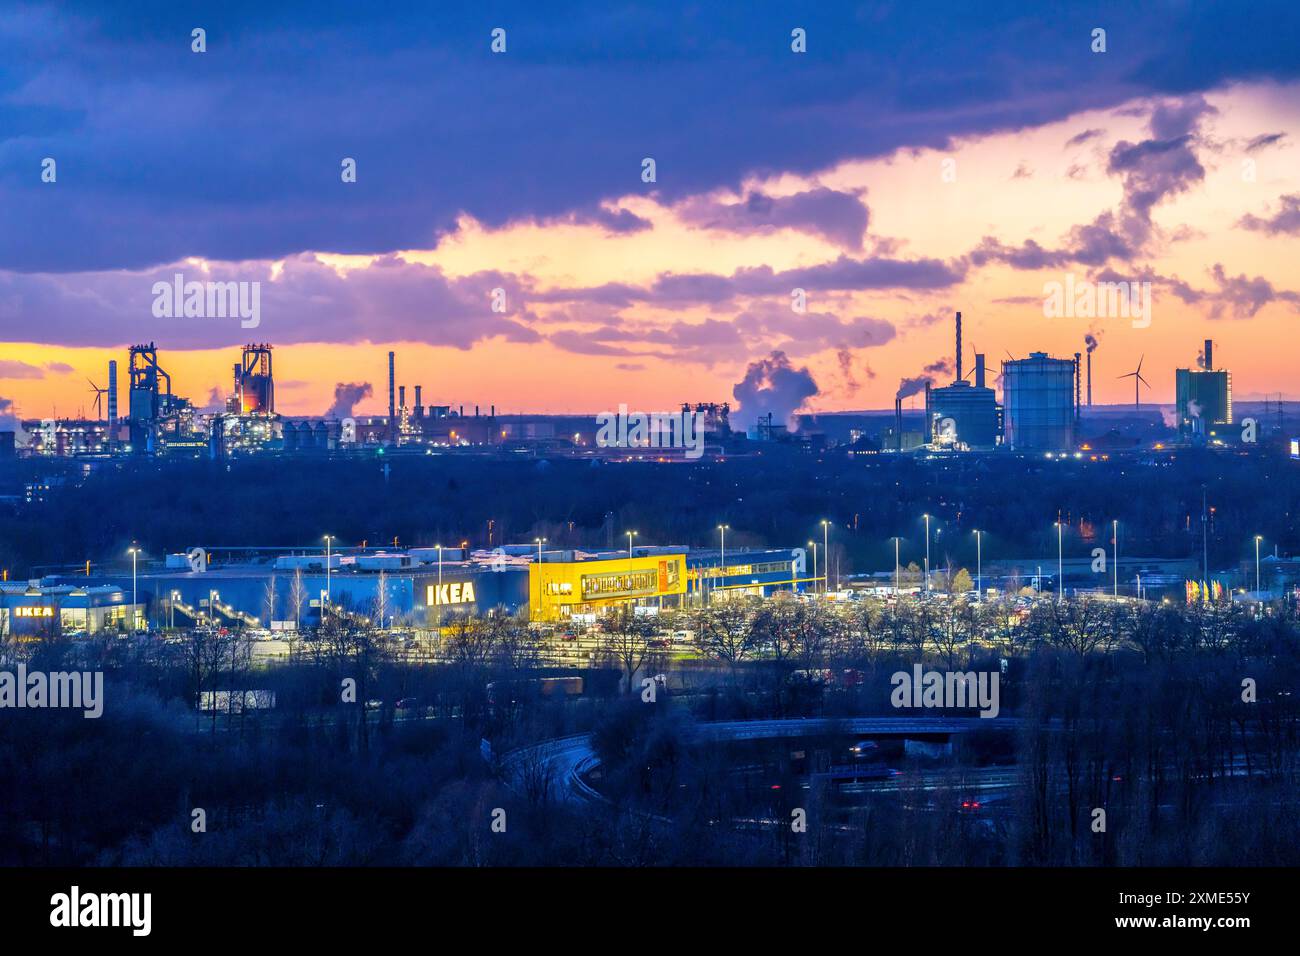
(1138, 381)
(99, 399)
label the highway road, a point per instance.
(566, 759)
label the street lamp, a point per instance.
(540, 542)
(722, 561)
(813, 545)
(895, 540)
(439, 547)
(329, 595)
(1114, 556)
(826, 550)
(979, 565)
(630, 536)
(927, 553)
(135, 601)
(1258, 538)
(1060, 565)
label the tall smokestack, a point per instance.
(419, 405)
(1090, 378)
(112, 397)
(1209, 354)
(401, 396)
(392, 402)
(927, 428)
(979, 369)
(1078, 382)
(958, 347)
(898, 424)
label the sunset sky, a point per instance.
(916, 160)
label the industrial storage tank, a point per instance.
(1039, 394)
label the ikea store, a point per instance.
(426, 587)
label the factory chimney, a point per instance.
(1078, 382)
(979, 369)
(1209, 354)
(476, 411)
(898, 424)
(392, 404)
(928, 424)
(112, 397)
(958, 378)
(419, 405)
(494, 411)
(401, 396)
(1090, 378)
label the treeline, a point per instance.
(776, 499)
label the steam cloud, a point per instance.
(910, 386)
(1091, 341)
(346, 395)
(774, 385)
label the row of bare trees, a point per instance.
(812, 635)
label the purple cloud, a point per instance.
(1286, 221)
(838, 217)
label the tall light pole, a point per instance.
(630, 536)
(329, 595)
(896, 540)
(1258, 538)
(1205, 537)
(813, 545)
(135, 601)
(1060, 565)
(1114, 558)
(979, 565)
(927, 553)
(722, 570)
(540, 542)
(439, 547)
(826, 550)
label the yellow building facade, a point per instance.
(560, 589)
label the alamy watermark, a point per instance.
(1098, 300)
(133, 911)
(77, 690)
(208, 300)
(622, 429)
(950, 690)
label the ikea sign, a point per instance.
(460, 592)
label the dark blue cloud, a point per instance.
(235, 153)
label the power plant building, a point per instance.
(1039, 396)
(1204, 398)
(962, 415)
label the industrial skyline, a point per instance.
(644, 285)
